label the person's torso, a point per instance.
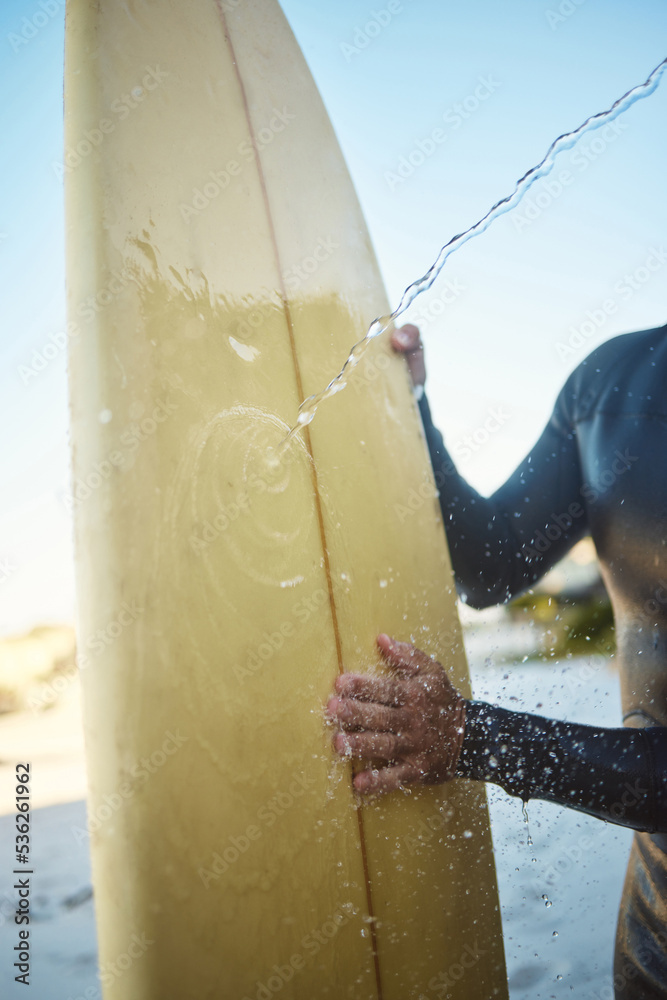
(620, 416)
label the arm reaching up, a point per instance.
(500, 545)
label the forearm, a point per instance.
(614, 774)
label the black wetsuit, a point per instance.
(600, 467)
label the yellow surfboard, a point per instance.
(219, 269)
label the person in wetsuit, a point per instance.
(600, 467)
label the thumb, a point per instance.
(404, 657)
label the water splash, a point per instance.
(310, 405)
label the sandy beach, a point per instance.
(559, 896)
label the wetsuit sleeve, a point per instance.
(499, 546)
(502, 544)
(618, 775)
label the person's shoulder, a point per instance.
(626, 347)
(613, 372)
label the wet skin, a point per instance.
(411, 724)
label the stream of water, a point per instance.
(309, 406)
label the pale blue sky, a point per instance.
(524, 284)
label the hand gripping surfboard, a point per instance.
(219, 270)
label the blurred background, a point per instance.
(513, 313)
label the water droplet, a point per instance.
(305, 417)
